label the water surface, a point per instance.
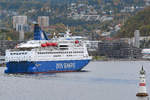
(104, 80)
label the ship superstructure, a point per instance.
(42, 55)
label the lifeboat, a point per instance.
(49, 44)
(54, 44)
(76, 42)
(43, 45)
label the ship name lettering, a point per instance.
(69, 65)
(65, 65)
(59, 66)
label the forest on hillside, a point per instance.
(141, 21)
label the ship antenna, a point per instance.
(55, 35)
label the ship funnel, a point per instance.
(39, 34)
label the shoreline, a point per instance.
(108, 59)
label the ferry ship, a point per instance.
(41, 55)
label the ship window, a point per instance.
(63, 46)
(57, 56)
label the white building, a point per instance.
(43, 21)
(22, 20)
(137, 38)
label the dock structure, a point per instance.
(118, 50)
(142, 92)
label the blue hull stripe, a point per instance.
(45, 66)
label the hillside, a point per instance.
(141, 21)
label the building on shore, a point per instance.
(19, 20)
(118, 50)
(43, 21)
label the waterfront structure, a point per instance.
(43, 21)
(146, 53)
(119, 49)
(142, 93)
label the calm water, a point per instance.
(111, 80)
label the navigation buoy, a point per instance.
(142, 85)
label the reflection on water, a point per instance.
(142, 98)
(33, 76)
(112, 80)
